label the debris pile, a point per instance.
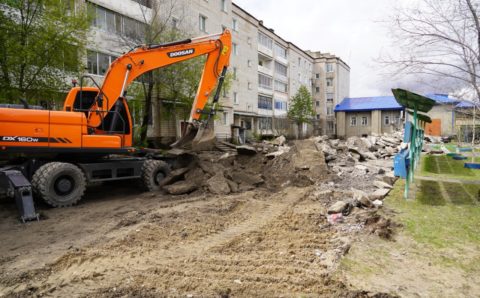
(347, 176)
(361, 174)
(268, 164)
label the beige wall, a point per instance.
(394, 125)
(375, 123)
(341, 124)
(445, 114)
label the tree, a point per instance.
(41, 44)
(164, 84)
(439, 39)
(301, 108)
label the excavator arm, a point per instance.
(131, 65)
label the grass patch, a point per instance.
(445, 166)
(430, 193)
(473, 190)
(458, 195)
(441, 226)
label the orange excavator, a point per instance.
(55, 154)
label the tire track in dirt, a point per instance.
(79, 273)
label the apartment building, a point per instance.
(267, 70)
(331, 84)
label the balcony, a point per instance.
(265, 90)
(265, 51)
(263, 112)
(265, 70)
(281, 60)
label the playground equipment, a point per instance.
(406, 161)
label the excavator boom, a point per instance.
(147, 58)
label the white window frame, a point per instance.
(386, 119)
(235, 98)
(202, 23)
(234, 25)
(235, 49)
(329, 67)
(225, 117)
(364, 121)
(329, 111)
(353, 120)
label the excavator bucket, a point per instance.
(205, 139)
(200, 138)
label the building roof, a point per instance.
(359, 104)
(442, 98)
(464, 104)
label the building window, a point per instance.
(364, 121)
(113, 22)
(280, 105)
(353, 121)
(329, 67)
(225, 118)
(234, 25)
(224, 5)
(386, 120)
(264, 82)
(235, 49)
(249, 40)
(202, 23)
(397, 119)
(329, 82)
(265, 41)
(317, 89)
(92, 62)
(264, 102)
(265, 123)
(317, 76)
(330, 126)
(249, 86)
(174, 23)
(329, 111)
(98, 63)
(281, 86)
(329, 97)
(280, 69)
(235, 73)
(318, 116)
(317, 103)
(280, 51)
(249, 63)
(235, 98)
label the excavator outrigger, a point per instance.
(54, 154)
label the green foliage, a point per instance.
(41, 44)
(301, 107)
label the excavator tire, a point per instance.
(59, 184)
(153, 172)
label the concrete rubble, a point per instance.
(347, 175)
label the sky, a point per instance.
(354, 30)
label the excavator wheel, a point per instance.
(59, 184)
(153, 172)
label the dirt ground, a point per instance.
(267, 241)
(120, 242)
